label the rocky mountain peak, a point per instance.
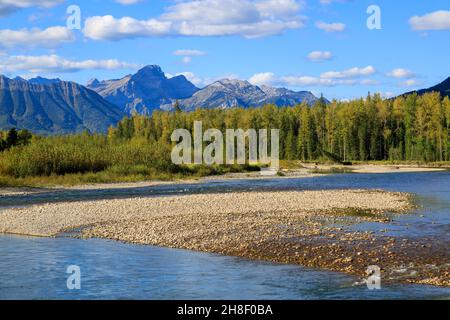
(150, 71)
(93, 82)
(144, 91)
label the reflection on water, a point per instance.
(35, 268)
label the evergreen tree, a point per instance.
(12, 138)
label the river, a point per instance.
(35, 268)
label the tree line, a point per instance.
(407, 128)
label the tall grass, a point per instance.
(80, 154)
(87, 158)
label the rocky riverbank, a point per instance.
(300, 227)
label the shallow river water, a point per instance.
(35, 268)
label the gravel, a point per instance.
(297, 227)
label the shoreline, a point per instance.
(307, 170)
(295, 227)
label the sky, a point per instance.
(341, 48)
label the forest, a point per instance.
(408, 128)
(411, 128)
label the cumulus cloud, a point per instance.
(329, 79)
(247, 18)
(438, 20)
(110, 28)
(400, 73)
(349, 73)
(330, 27)
(267, 78)
(10, 6)
(49, 38)
(56, 64)
(319, 56)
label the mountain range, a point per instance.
(229, 93)
(53, 106)
(150, 89)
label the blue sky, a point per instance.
(317, 45)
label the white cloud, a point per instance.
(410, 83)
(224, 12)
(330, 27)
(247, 18)
(370, 82)
(267, 78)
(110, 28)
(438, 20)
(319, 56)
(400, 73)
(55, 64)
(189, 53)
(49, 38)
(280, 8)
(299, 81)
(349, 73)
(10, 6)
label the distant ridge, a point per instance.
(443, 88)
(229, 93)
(150, 89)
(52, 106)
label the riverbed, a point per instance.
(47, 257)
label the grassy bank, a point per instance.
(81, 159)
(139, 173)
(114, 176)
(120, 175)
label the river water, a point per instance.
(35, 268)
